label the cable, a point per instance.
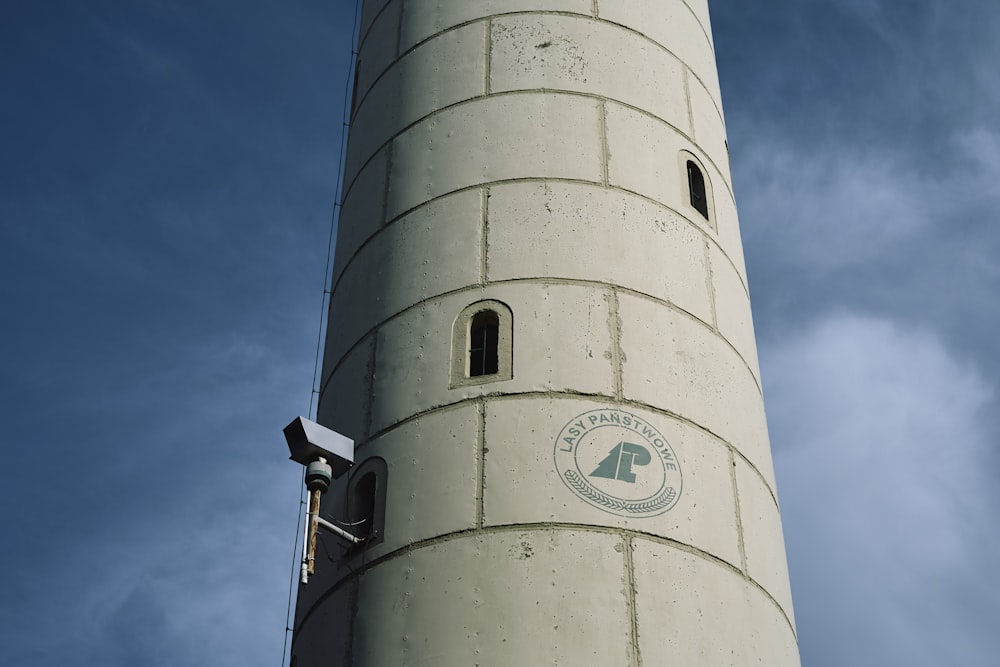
(296, 556)
(327, 288)
(338, 204)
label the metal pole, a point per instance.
(337, 530)
(304, 572)
(313, 517)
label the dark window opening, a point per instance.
(365, 499)
(484, 338)
(482, 344)
(362, 508)
(696, 185)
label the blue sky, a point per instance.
(167, 175)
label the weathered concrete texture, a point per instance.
(463, 146)
(446, 70)
(693, 612)
(424, 18)
(709, 128)
(378, 50)
(562, 342)
(584, 55)
(682, 366)
(762, 537)
(582, 232)
(533, 154)
(433, 490)
(369, 12)
(729, 236)
(324, 631)
(433, 465)
(700, 10)
(363, 211)
(497, 600)
(672, 24)
(347, 387)
(522, 486)
(642, 158)
(408, 262)
(733, 308)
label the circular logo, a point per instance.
(619, 463)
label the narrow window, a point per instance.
(696, 186)
(484, 337)
(363, 504)
(482, 344)
(366, 493)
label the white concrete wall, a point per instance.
(532, 152)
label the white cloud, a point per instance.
(881, 452)
(187, 558)
(833, 208)
(203, 582)
(871, 13)
(981, 145)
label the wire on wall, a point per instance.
(327, 287)
(338, 204)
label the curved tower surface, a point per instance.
(540, 340)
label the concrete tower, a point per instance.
(540, 338)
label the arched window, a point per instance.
(696, 187)
(482, 344)
(697, 196)
(484, 336)
(366, 500)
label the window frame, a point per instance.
(375, 531)
(461, 362)
(684, 157)
(484, 343)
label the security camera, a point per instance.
(309, 442)
(325, 454)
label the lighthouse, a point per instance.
(540, 342)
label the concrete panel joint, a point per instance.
(617, 356)
(635, 659)
(736, 509)
(481, 460)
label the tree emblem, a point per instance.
(618, 463)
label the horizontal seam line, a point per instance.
(534, 527)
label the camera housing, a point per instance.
(308, 442)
